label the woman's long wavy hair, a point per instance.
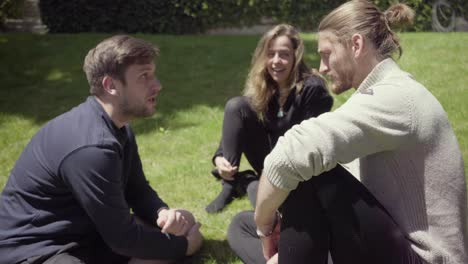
(259, 86)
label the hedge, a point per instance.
(10, 9)
(194, 16)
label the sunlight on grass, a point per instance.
(57, 75)
(15, 133)
(42, 77)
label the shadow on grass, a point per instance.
(42, 76)
(215, 251)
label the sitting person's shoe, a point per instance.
(248, 183)
(216, 174)
(224, 198)
(231, 189)
(245, 178)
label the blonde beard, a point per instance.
(344, 82)
(339, 87)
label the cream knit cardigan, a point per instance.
(409, 158)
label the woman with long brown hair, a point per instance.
(280, 91)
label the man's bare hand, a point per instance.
(273, 260)
(175, 221)
(194, 239)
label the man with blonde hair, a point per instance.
(410, 206)
(70, 195)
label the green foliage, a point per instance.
(186, 16)
(422, 9)
(460, 7)
(173, 16)
(10, 9)
(305, 14)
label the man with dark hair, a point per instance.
(69, 196)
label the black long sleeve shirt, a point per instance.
(311, 101)
(76, 182)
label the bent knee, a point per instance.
(241, 224)
(237, 103)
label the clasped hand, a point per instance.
(175, 221)
(270, 244)
(181, 223)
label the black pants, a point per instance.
(94, 254)
(332, 212)
(244, 133)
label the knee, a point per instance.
(239, 225)
(236, 104)
(63, 258)
(252, 187)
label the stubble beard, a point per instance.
(339, 87)
(133, 110)
(343, 80)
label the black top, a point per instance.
(74, 184)
(311, 101)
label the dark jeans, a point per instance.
(97, 254)
(244, 133)
(332, 212)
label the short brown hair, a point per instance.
(113, 56)
(365, 18)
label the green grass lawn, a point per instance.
(41, 77)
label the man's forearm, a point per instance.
(269, 199)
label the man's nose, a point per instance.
(157, 85)
(323, 67)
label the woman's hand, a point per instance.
(225, 169)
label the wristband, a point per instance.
(262, 235)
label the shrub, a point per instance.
(422, 9)
(77, 16)
(10, 9)
(189, 16)
(120, 16)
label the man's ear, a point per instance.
(357, 45)
(108, 85)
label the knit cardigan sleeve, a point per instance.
(378, 120)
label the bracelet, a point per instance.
(263, 235)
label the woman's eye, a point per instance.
(285, 55)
